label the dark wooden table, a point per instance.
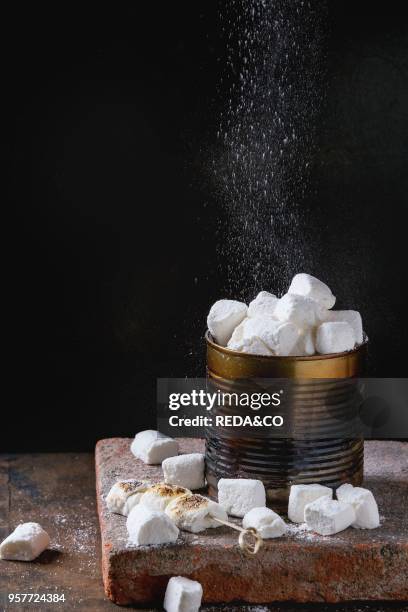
(58, 491)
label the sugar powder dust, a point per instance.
(266, 136)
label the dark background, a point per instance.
(112, 247)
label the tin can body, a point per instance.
(321, 401)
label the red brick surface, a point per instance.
(303, 567)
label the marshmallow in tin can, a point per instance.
(263, 305)
(159, 495)
(364, 504)
(182, 595)
(267, 523)
(224, 317)
(299, 310)
(352, 317)
(313, 288)
(25, 543)
(147, 526)
(334, 337)
(305, 345)
(152, 447)
(328, 516)
(239, 495)
(195, 513)
(125, 494)
(185, 471)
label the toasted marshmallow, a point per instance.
(159, 495)
(125, 494)
(195, 513)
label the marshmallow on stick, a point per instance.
(159, 495)
(125, 494)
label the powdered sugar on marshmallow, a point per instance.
(239, 495)
(223, 318)
(263, 305)
(364, 504)
(334, 337)
(297, 324)
(311, 287)
(25, 543)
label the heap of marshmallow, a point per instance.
(301, 322)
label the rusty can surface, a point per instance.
(323, 396)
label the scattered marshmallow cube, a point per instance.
(195, 513)
(364, 504)
(185, 471)
(147, 526)
(125, 494)
(334, 337)
(302, 494)
(25, 543)
(302, 311)
(239, 495)
(263, 305)
(267, 523)
(152, 447)
(352, 317)
(159, 495)
(224, 317)
(313, 288)
(328, 516)
(183, 595)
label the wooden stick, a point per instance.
(244, 533)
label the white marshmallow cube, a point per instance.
(302, 494)
(183, 595)
(150, 527)
(263, 336)
(334, 337)
(27, 541)
(267, 523)
(125, 494)
(263, 305)
(185, 471)
(159, 495)
(352, 317)
(305, 344)
(311, 287)
(302, 311)
(364, 504)
(329, 516)
(195, 513)
(152, 447)
(224, 317)
(252, 346)
(239, 495)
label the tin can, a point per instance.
(322, 400)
